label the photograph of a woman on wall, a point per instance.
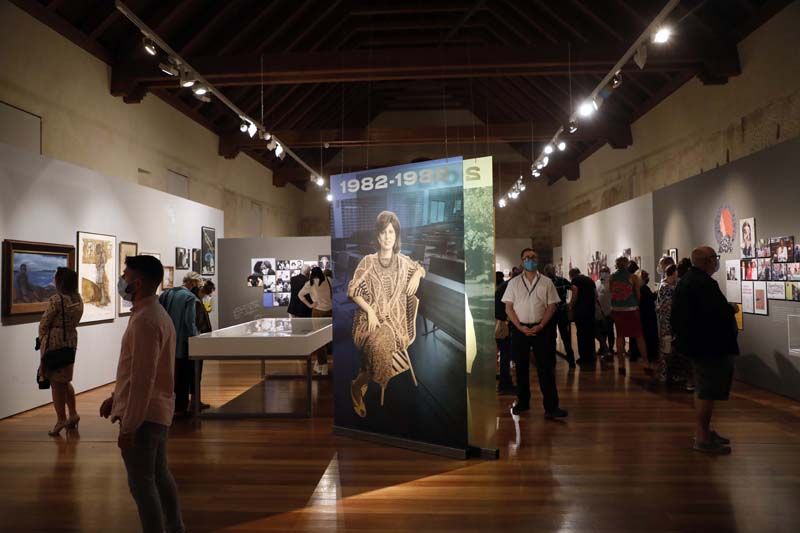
(747, 237)
(383, 287)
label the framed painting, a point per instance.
(208, 250)
(169, 277)
(97, 257)
(196, 260)
(181, 258)
(28, 275)
(126, 250)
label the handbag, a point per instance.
(501, 329)
(60, 357)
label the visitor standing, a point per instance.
(706, 331)
(318, 290)
(203, 321)
(583, 304)
(605, 327)
(666, 294)
(296, 308)
(58, 332)
(624, 288)
(143, 398)
(531, 300)
(180, 304)
(563, 287)
(502, 337)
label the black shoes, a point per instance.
(556, 413)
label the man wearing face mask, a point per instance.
(531, 300)
(143, 399)
(704, 324)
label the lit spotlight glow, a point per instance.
(502, 202)
(586, 109)
(562, 146)
(548, 149)
(329, 197)
(662, 35)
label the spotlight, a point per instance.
(168, 68)
(548, 149)
(279, 150)
(149, 46)
(539, 165)
(573, 126)
(596, 103)
(271, 145)
(536, 173)
(252, 130)
(320, 181)
(587, 108)
(562, 146)
(616, 81)
(662, 35)
(502, 202)
(264, 136)
(514, 195)
(522, 186)
(545, 160)
(243, 127)
(186, 79)
(200, 90)
(329, 197)
(203, 97)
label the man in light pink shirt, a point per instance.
(143, 399)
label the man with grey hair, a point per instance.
(296, 307)
(704, 325)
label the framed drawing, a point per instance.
(126, 249)
(196, 260)
(208, 246)
(181, 258)
(776, 290)
(673, 253)
(28, 272)
(748, 302)
(169, 277)
(97, 257)
(760, 297)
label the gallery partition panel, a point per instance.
(745, 210)
(399, 327)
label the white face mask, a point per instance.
(122, 289)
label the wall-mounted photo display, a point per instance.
(673, 253)
(208, 240)
(725, 229)
(749, 270)
(764, 269)
(748, 301)
(792, 271)
(269, 283)
(779, 271)
(259, 269)
(311, 264)
(793, 291)
(781, 248)
(282, 264)
(324, 262)
(733, 285)
(282, 299)
(196, 260)
(28, 273)
(776, 290)
(761, 305)
(762, 248)
(747, 237)
(126, 250)
(97, 281)
(796, 258)
(181, 258)
(739, 317)
(169, 277)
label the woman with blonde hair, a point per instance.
(383, 287)
(58, 330)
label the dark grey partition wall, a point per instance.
(239, 303)
(765, 186)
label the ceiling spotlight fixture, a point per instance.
(203, 97)
(278, 150)
(572, 127)
(616, 80)
(149, 46)
(200, 90)
(502, 202)
(252, 130)
(329, 197)
(539, 165)
(545, 160)
(562, 146)
(320, 181)
(514, 194)
(662, 35)
(522, 186)
(536, 173)
(243, 127)
(186, 79)
(548, 149)
(168, 68)
(587, 108)
(271, 145)
(264, 135)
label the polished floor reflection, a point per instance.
(621, 462)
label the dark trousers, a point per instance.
(585, 334)
(545, 358)
(562, 321)
(184, 383)
(612, 338)
(504, 345)
(150, 481)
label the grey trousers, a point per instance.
(151, 483)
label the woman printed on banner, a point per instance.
(384, 288)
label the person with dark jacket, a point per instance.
(583, 302)
(563, 286)
(505, 385)
(296, 308)
(704, 326)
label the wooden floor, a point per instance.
(620, 463)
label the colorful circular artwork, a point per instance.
(724, 229)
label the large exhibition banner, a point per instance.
(399, 326)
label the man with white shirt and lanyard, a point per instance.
(531, 301)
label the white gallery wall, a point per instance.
(46, 200)
(626, 225)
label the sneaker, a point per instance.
(517, 409)
(557, 413)
(711, 448)
(716, 437)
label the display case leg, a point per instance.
(196, 395)
(309, 380)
